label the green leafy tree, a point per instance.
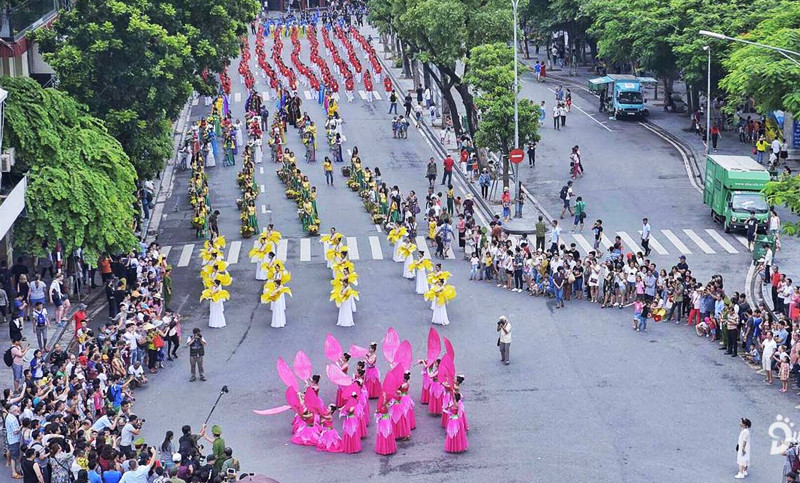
(492, 75)
(443, 32)
(129, 71)
(80, 181)
(772, 79)
(785, 192)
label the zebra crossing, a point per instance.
(308, 94)
(306, 250)
(374, 247)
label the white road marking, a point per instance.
(349, 152)
(233, 252)
(352, 245)
(344, 138)
(378, 228)
(678, 244)
(308, 95)
(262, 188)
(630, 242)
(686, 165)
(377, 96)
(590, 116)
(260, 170)
(743, 241)
(165, 251)
(263, 209)
(581, 240)
(698, 241)
(186, 255)
(658, 247)
(237, 97)
(375, 247)
(605, 241)
(195, 101)
(305, 250)
(722, 241)
(363, 95)
(283, 246)
(423, 245)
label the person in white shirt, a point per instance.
(555, 237)
(504, 339)
(769, 347)
(136, 371)
(646, 236)
(138, 473)
(104, 422)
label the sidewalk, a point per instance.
(444, 143)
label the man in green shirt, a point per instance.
(580, 214)
(230, 462)
(218, 446)
(541, 231)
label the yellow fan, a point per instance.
(406, 250)
(423, 264)
(208, 254)
(397, 234)
(220, 242)
(338, 267)
(285, 276)
(209, 294)
(224, 278)
(448, 293)
(274, 237)
(434, 277)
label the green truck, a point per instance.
(732, 189)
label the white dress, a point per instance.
(325, 247)
(440, 315)
(396, 254)
(744, 460)
(346, 313)
(278, 312)
(239, 138)
(216, 315)
(407, 273)
(261, 272)
(422, 281)
(210, 162)
(258, 151)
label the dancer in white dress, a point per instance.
(277, 298)
(440, 294)
(328, 242)
(209, 154)
(216, 313)
(396, 236)
(421, 267)
(407, 252)
(743, 449)
(344, 297)
(237, 130)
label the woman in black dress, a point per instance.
(24, 289)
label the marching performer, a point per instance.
(440, 294)
(406, 252)
(395, 237)
(344, 297)
(217, 295)
(421, 267)
(274, 293)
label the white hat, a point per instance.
(176, 457)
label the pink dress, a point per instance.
(435, 402)
(340, 397)
(307, 435)
(297, 423)
(351, 438)
(362, 413)
(462, 416)
(384, 440)
(329, 440)
(400, 424)
(447, 400)
(408, 406)
(426, 384)
(456, 440)
(372, 380)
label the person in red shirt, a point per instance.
(79, 318)
(448, 170)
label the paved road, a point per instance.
(585, 399)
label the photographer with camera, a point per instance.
(504, 339)
(197, 350)
(129, 432)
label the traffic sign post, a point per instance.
(516, 156)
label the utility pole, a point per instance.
(517, 207)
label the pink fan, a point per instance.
(332, 348)
(313, 402)
(302, 366)
(434, 346)
(449, 348)
(447, 369)
(393, 380)
(286, 375)
(403, 356)
(391, 341)
(336, 375)
(357, 352)
(294, 400)
(269, 412)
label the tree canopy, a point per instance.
(134, 63)
(81, 183)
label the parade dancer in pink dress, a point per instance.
(408, 402)
(307, 435)
(436, 390)
(385, 443)
(351, 437)
(400, 426)
(426, 385)
(362, 409)
(372, 378)
(456, 440)
(344, 366)
(329, 440)
(447, 398)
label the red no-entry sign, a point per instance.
(516, 156)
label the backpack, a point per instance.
(8, 358)
(563, 193)
(41, 320)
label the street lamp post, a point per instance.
(707, 48)
(517, 207)
(785, 52)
